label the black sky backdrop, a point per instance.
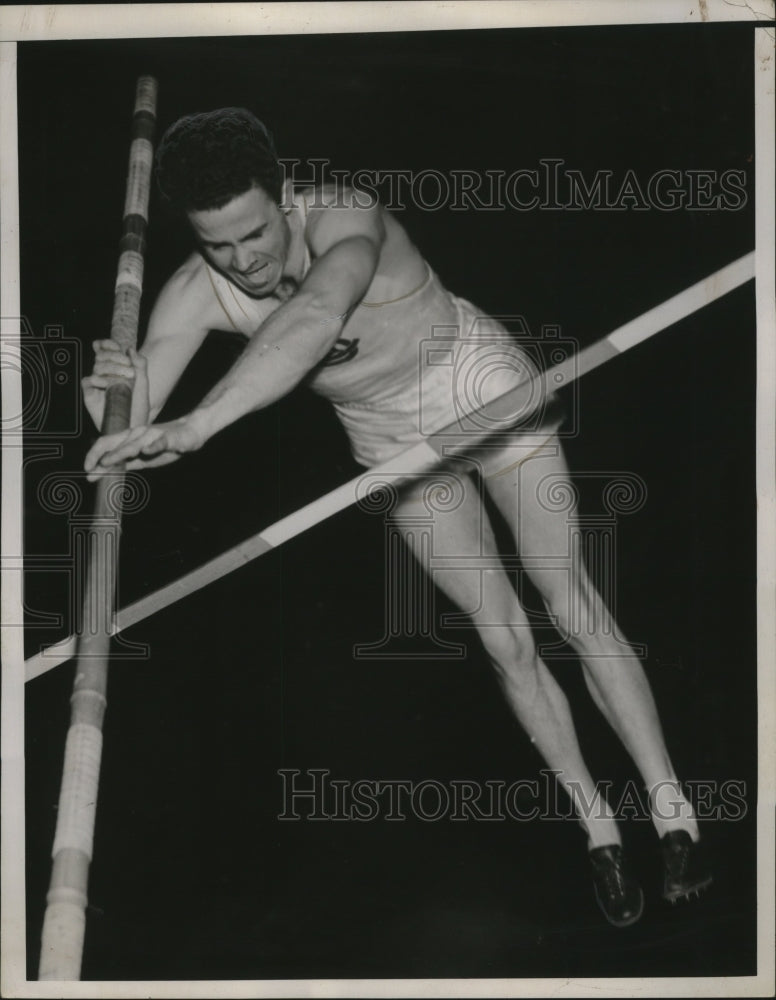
(194, 877)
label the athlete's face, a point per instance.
(247, 240)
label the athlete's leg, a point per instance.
(615, 678)
(462, 531)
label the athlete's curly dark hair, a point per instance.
(205, 160)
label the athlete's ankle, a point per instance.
(598, 822)
(671, 809)
(601, 833)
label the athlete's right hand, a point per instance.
(144, 447)
(110, 361)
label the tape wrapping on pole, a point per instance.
(78, 795)
(64, 930)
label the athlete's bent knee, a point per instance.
(511, 649)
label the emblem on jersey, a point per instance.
(344, 350)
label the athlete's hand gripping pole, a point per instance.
(65, 918)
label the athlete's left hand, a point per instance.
(143, 447)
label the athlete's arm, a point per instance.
(178, 325)
(345, 244)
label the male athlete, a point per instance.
(332, 292)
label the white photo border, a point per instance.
(50, 22)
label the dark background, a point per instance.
(193, 876)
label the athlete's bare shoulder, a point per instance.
(400, 262)
(187, 297)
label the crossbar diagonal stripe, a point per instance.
(420, 458)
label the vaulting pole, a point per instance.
(65, 919)
(425, 455)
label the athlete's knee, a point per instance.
(581, 616)
(569, 598)
(512, 652)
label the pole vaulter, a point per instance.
(65, 918)
(64, 922)
(423, 457)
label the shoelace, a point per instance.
(678, 859)
(615, 881)
(614, 878)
